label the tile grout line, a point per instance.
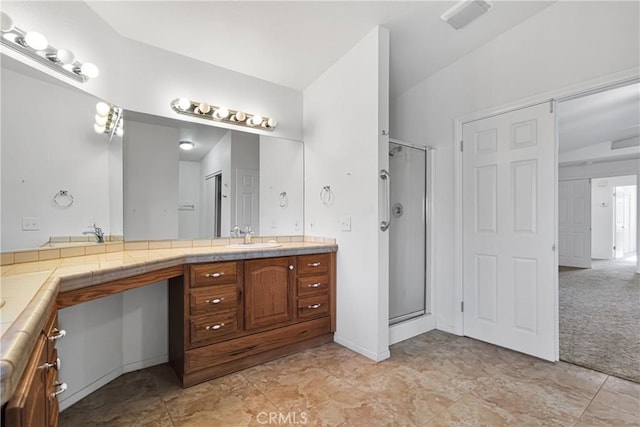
(591, 400)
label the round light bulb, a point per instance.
(186, 145)
(222, 113)
(272, 123)
(101, 120)
(256, 120)
(6, 23)
(36, 40)
(90, 70)
(98, 128)
(102, 108)
(184, 104)
(65, 56)
(204, 107)
(240, 116)
(120, 131)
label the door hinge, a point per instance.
(462, 306)
(553, 247)
(461, 145)
(551, 106)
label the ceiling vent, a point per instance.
(465, 11)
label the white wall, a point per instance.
(342, 151)
(39, 160)
(151, 173)
(143, 78)
(281, 170)
(563, 45)
(189, 194)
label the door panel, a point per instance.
(510, 269)
(574, 223)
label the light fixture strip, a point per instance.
(115, 117)
(14, 40)
(232, 117)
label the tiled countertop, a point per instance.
(30, 288)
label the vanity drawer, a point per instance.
(218, 273)
(212, 327)
(313, 264)
(313, 306)
(310, 285)
(213, 299)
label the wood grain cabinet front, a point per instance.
(35, 400)
(227, 316)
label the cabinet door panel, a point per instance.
(268, 296)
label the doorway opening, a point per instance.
(213, 204)
(599, 148)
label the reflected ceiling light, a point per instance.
(6, 23)
(186, 145)
(465, 11)
(109, 119)
(35, 46)
(204, 110)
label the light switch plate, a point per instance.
(345, 223)
(30, 223)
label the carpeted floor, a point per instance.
(600, 317)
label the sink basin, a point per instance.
(255, 245)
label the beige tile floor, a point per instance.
(435, 379)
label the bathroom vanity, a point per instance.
(226, 316)
(228, 309)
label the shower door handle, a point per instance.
(384, 176)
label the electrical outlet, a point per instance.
(345, 223)
(30, 223)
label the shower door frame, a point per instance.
(427, 218)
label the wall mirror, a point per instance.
(228, 180)
(58, 176)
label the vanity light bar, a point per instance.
(222, 114)
(109, 120)
(35, 46)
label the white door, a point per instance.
(574, 223)
(509, 260)
(247, 199)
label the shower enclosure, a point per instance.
(408, 215)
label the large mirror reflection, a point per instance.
(59, 177)
(226, 183)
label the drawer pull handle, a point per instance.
(215, 300)
(215, 327)
(313, 264)
(314, 285)
(214, 275)
(55, 365)
(60, 388)
(57, 334)
(314, 306)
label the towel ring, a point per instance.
(283, 200)
(326, 195)
(63, 199)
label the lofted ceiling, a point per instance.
(291, 43)
(612, 115)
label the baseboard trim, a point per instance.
(410, 328)
(376, 357)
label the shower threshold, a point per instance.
(406, 317)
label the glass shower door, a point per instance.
(407, 233)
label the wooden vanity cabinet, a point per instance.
(227, 316)
(35, 402)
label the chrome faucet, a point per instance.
(97, 231)
(247, 235)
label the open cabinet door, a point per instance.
(509, 260)
(574, 223)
